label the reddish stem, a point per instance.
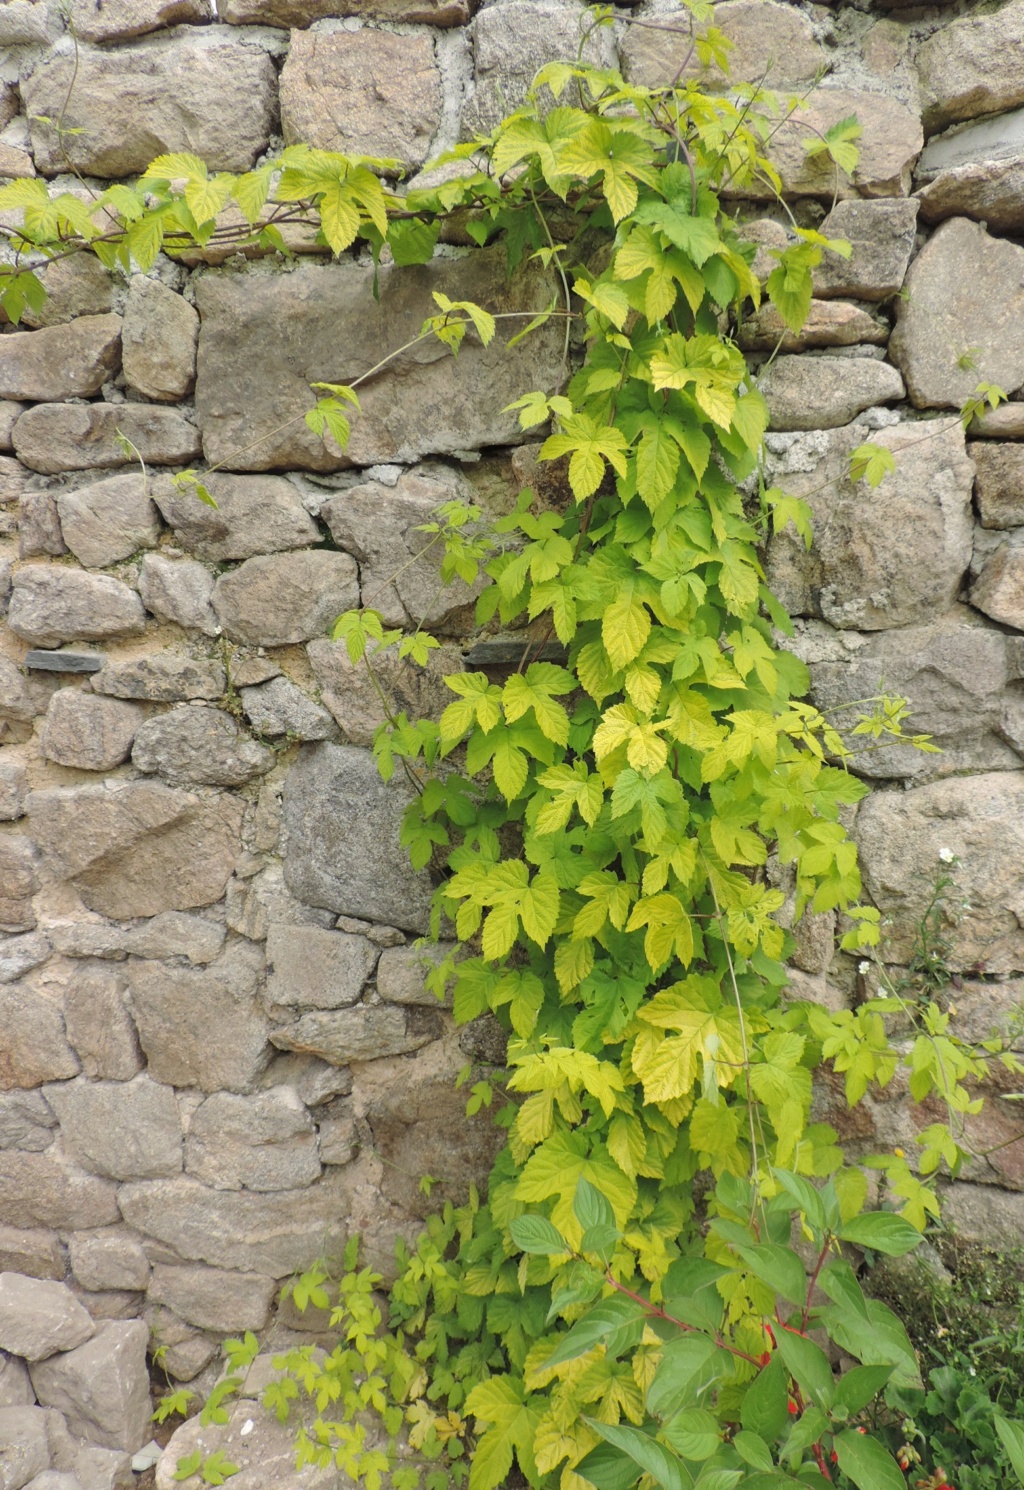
(660, 1313)
(812, 1283)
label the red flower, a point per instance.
(791, 1405)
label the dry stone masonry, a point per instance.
(218, 1057)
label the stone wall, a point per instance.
(217, 1055)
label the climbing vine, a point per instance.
(666, 1227)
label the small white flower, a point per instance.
(246, 1428)
(863, 967)
(946, 855)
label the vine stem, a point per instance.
(813, 1281)
(742, 1025)
(658, 1313)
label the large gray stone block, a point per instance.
(59, 362)
(37, 1254)
(399, 567)
(265, 337)
(980, 819)
(136, 848)
(212, 1299)
(122, 1130)
(829, 323)
(15, 1385)
(26, 1122)
(39, 526)
(23, 23)
(825, 392)
(112, 1258)
(76, 286)
(1003, 423)
(179, 590)
(973, 66)
(51, 604)
(976, 172)
(998, 590)
(366, 1033)
(13, 778)
(984, 1214)
(38, 1318)
(315, 969)
(999, 483)
(891, 556)
(992, 192)
(342, 839)
(253, 515)
(79, 437)
(39, 1190)
(274, 1234)
(512, 41)
(102, 1469)
(262, 1142)
(174, 934)
(263, 1449)
(89, 733)
(117, 20)
(21, 697)
(176, 1008)
(772, 44)
(302, 12)
(20, 954)
(198, 745)
(881, 239)
(948, 336)
(99, 1026)
(276, 600)
(159, 338)
(348, 690)
(19, 881)
(24, 1451)
(102, 1387)
(108, 520)
(954, 672)
(199, 91)
(279, 708)
(35, 1043)
(164, 678)
(889, 144)
(364, 92)
(402, 971)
